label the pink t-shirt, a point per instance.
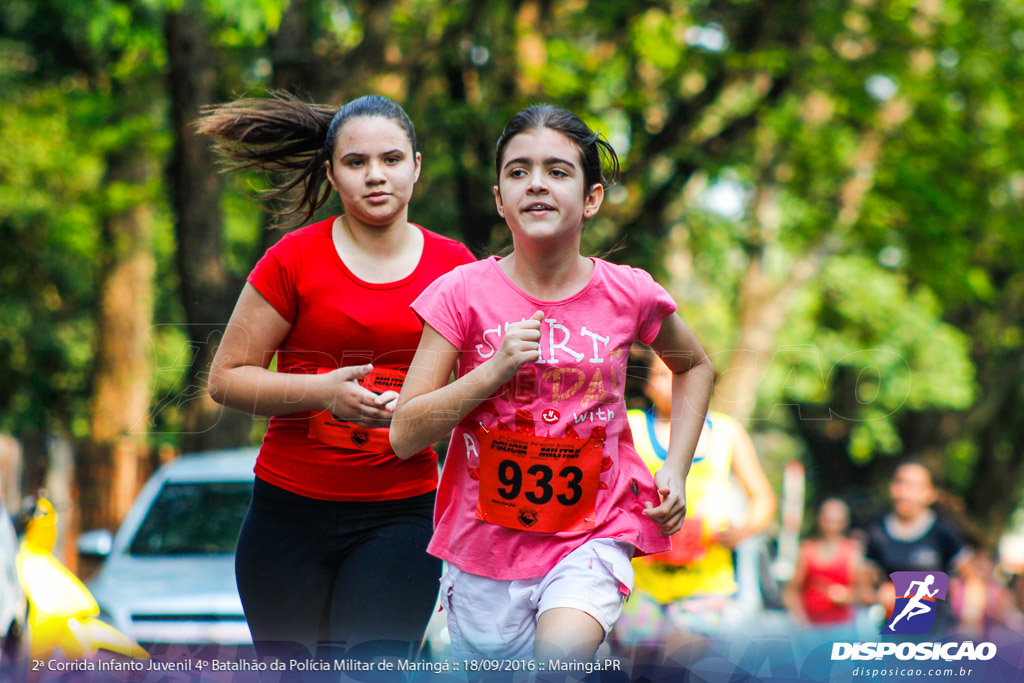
(575, 389)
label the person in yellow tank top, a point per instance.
(685, 592)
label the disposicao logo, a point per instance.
(917, 594)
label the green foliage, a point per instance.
(48, 185)
(877, 142)
(885, 347)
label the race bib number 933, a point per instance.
(542, 484)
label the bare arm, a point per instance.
(239, 377)
(791, 596)
(692, 380)
(864, 590)
(429, 407)
(972, 612)
(751, 477)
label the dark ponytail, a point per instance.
(287, 138)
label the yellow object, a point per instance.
(707, 499)
(41, 533)
(62, 612)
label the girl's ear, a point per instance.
(330, 176)
(593, 200)
(498, 202)
(419, 166)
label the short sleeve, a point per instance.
(655, 307)
(276, 282)
(442, 305)
(466, 256)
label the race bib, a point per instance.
(326, 428)
(536, 483)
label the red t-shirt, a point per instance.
(338, 319)
(823, 573)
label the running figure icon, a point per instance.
(915, 606)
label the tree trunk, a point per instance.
(118, 410)
(297, 69)
(10, 473)
(208, 292)
(764, 306)
(60, 488)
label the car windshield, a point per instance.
(193, 519)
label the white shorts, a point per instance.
(494, 618)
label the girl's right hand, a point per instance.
(349, 401)
(519, 346)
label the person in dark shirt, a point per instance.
(913, 537)
(896, 546)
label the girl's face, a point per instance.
(374, 170)
(912, 491)
(833, 517)
(541, 192)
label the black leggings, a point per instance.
(354, 574)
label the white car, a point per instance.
(168, 579)
(13, 604)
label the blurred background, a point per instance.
(833, 192)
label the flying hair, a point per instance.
(289, 141)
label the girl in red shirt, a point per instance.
(333, 547)
(829, 577)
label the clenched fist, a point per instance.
(519, 346)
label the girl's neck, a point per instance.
(828, 546)
(909, 528)
(382, 241)
(548, 275)
(378, 254)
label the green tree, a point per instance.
(831, 190)
(104, 64)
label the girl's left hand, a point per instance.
(389, 399)
(838, 594)
(672, 511)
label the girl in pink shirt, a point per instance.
(543, 500)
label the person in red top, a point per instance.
(333, 548)
(829, 576)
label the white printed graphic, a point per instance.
(914, 606)
(556, 340)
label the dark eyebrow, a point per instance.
(360, 155)
(550, 161)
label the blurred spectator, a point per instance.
(993, 602)
(694, 588)
(1011, 564)
(913, 537)
(830, 577)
